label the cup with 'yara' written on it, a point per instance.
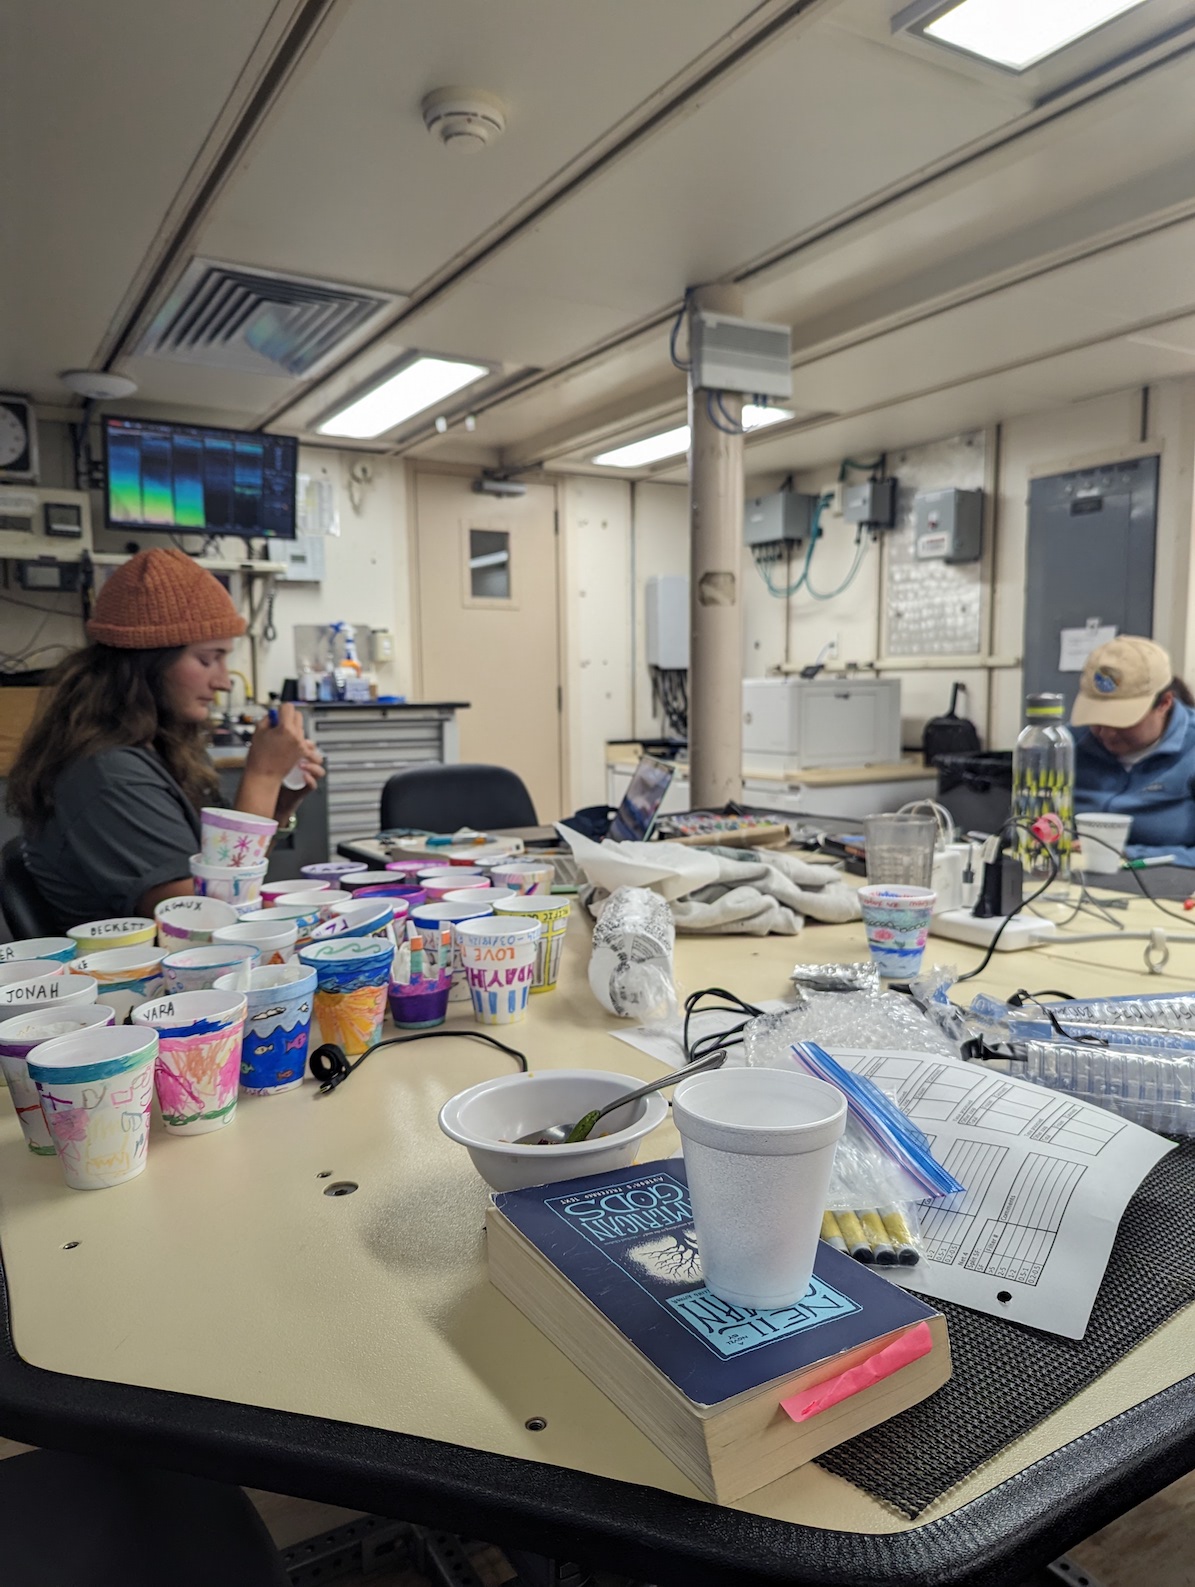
(199, 1057)
(498, 957)
(18, 1037)
(96, 1089)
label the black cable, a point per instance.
(713, 417)
(1024, 826)
(1175, 914)
(674, 335)
(331, 1067)
(735, 424)
(731, 1004)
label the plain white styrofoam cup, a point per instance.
(1102, 837)
(759, 1146)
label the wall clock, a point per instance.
(18, 439)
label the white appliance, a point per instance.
(793, 724)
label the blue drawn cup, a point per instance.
(277, 1027)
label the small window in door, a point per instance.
(489, 564)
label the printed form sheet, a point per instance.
(1047, 1177)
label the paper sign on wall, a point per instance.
(1076, 644)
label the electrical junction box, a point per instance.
(948, 525)
(747, 356)
(44, 523)
(666, 622)
(304, 558)
(783, 518)
(873, 503)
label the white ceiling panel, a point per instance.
(105, 107)
(346, 181)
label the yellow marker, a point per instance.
(901, 1236)
(877, 1237)
(831, 1233)
(857, 1242)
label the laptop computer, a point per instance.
(636, 815)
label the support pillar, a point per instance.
(715, 599)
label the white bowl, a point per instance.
(487, 1120)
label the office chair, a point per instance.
(25, 910)
(438, 798)
(68, 1519)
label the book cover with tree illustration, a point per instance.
(625, 1240)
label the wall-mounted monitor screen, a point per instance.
(189, 479)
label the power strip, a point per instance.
(1022, 931)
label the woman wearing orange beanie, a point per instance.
(112, 774)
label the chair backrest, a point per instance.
(25, 910)
(440, 798)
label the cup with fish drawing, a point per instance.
(18, 1038)
(96, 1088)
(234, 837)
(499, 957)
(353, 976)
(277, 1027)
(198, 1066)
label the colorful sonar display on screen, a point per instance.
(185, 477)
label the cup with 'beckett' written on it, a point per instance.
(199, 1057)
(96, 1088)
(896, 920)
(498, 957)
(277, 1027)
(58, 950)
(274, 939)
(55, 991)
(353, 976)
(120, 931)
(231, 884)
(233, 837)
(188, 922)
(18, 1038)
(198, 969)
(525, 879)
(552, 914)
(124, 976)
(759, 1147)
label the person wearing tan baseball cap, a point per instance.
(112, 774)
(1135, 751)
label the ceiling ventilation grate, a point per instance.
(258, 321)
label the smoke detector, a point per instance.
(464, 119)
(98, 385)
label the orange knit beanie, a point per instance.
(159, 599)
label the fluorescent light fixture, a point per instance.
(1019, 33)
(671, 443)
(650, 450)
(416, 386)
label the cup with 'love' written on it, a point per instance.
(498, 957)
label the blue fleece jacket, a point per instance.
(1158, 792)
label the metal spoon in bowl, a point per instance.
(569, 1134)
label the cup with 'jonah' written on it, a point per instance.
(498, 957)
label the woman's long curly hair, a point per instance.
(101, 698)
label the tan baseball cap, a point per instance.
(1120, 682)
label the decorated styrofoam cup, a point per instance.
(302, 916)
(331, 871)
(188, 922)
(489, 896)
(96, 1088)
(55, 991)
(57, 950)
(498, 957)
(353, 974)
(437, 887)
(234, 837)
(321, 900)
(896, 920)
(525, 879)
(408, 867)
(232, 884)
(433, 918)
(351, 881)
(119, 931)
(552, 914)
(31, 970)
(274, 939)
(18, 1038)
(199, 1057)
(368, 917)
(124, 976)
(277, 1027)
(198, 969)
(271, 892)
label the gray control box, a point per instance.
(873, 503)
(751, 356)
(783, 518)
(948, 525)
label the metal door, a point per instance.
(1089, 559)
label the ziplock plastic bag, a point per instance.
(630, 972)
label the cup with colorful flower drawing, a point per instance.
(234, 837)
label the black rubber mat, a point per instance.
(910, 1461)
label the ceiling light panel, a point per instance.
(671, 443)
(416, 387)
(1017, 34)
